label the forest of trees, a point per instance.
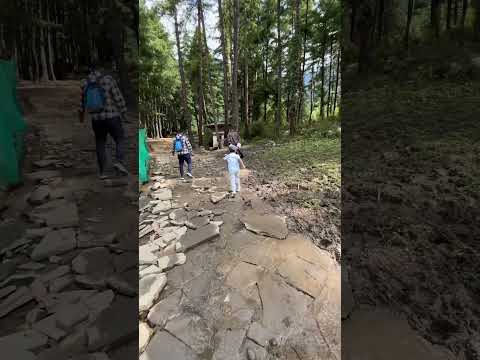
(374, 27)
(275, 69)
(56, 39)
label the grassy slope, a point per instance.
(302, 176)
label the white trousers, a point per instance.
(235, 181)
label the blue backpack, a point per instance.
(178, 145)
(94, 97)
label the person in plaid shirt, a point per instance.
(185, 154)
(108, 120)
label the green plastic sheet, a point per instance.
(12, 127)
(143, 156)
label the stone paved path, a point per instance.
(68, 258)
(223, 278)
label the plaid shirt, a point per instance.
(187, 147)
(115, 105)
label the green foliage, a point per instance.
(159, 79)
(311, 159)
(208, 137)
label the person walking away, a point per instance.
(234, 163)
(233, 138)
(103, 100)
(183, 148)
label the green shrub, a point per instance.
(208, 137)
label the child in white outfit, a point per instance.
(234, 162)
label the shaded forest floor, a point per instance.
(411, 185)
(301, 177)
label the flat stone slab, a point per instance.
(168, 262)
(146, 256)
(116, 325)
(192, 330)
(162, 194)
(18, 354)
(283, 306)
(388, 337)
(303, 275)
(45, 163)
(90, 240)
(165, 346)
(49, 327)
(267, 225)
(71, 314)
(19, 298)
(43, 175)
(149, 270)
(95, 261)
(197, 222)
(230, 342)
(57, 213)
(122, 285)
(144, 334)
(7, 291)
(197, 237)
(55, 243)
(258, 333)
(165, 309)
(150, 288)
(162, 206)
(39, 195)
(217, 197)
(178, 216)
(24, 340)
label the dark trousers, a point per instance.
(102, 128)
(181, 160)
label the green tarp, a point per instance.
(143, 156)
(12, 127)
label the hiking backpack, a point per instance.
(94, 97)
(178, 144)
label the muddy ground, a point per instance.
(411, 204)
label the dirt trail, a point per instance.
(56, 296)
(221, 291)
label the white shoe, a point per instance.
(120, 168)
(189, 175)
(182, 178)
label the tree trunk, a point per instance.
(464, 14)
(353, 21)
(449, 14)
(43, 55)
(278, 108)
(455, 13)
(265, 79)
(337, 78)
(236, 28)
(294, 106)
(381, 14)
(312, 91)
(206, 56)
(301, 88)
(435, 17)
(51, 57)
(330, 67)
(201, 97)
(411, 4)
(186, 116)
(476, 24)
(322, 84)
(365, 26)
(226, 67)
(246, 100)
